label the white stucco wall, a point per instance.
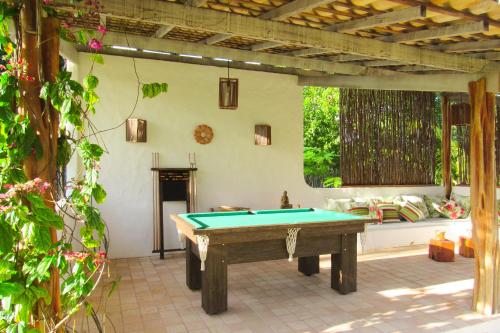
(232, 170)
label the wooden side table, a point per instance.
(465, 247)
(442, 250)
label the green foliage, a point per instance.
(29, 254)
(150, 90)
(321, 135)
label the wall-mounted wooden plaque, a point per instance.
(263, 135)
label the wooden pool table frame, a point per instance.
(259, 243)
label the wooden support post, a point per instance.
(344, 265)
(446, 145)
(309, 265)
(483, 199)
(193, 265)
(214, 281)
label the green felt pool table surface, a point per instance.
(216, 220)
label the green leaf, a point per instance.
(99, 194)
(90, 82)
(114, 285)
(150, 90)
(97, 58)
(44, 216)
(13, 289)
(6, 237)
(90, 151)
(40, 293)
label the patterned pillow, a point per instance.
(416, 201)
(339, 205)
(433, 203)
(363, 211)
(390, 211)
(463, 202)
(411, 212)
(451, 210)
(375, 212)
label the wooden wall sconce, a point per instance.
(228, 93)
(136, 130)
(262, 135)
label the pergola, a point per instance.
(438, 45)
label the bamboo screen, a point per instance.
(387, 137)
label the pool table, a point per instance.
(215, 240)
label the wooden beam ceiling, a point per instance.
(280, 13)
(227, 23)
(444, 32)
(397, 16)
(179, 47)
(292, 8)
(483, 45)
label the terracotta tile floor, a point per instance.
(401, 291)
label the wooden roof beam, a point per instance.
(381, 63)
(292, 8)
(348, 57)
(265, 46)
(216, 39)
(307, 52)
(196, 3)
(169, 13)
(179, 47)
(444, 32)
(487, 55)
(447, 11)
(397, 16)
(163, 30)
(416, 82)
(280, 13)
(483, 45)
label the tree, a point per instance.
(321, 136)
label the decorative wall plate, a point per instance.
(203, 134)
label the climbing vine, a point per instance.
(53, 239)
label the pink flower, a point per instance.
(48, 2)
(102, 29)
(65, 25)
(8, 186)
(95, 44)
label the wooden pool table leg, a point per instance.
(214, 281)
(309, 265)
(193, 265)
(344, 265)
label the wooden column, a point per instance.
(483, 198)
(446, 145)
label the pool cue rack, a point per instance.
(171, 184)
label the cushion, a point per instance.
(363, 211)
(411, 212)
(433, 203)
(416, 200)
(451, 209)
(390, 211)
(463, 201)
(339, 205)
(374, 211)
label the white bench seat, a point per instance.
(396, 234)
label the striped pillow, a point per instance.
(363, 211)
(411, 212)
(390, 212)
